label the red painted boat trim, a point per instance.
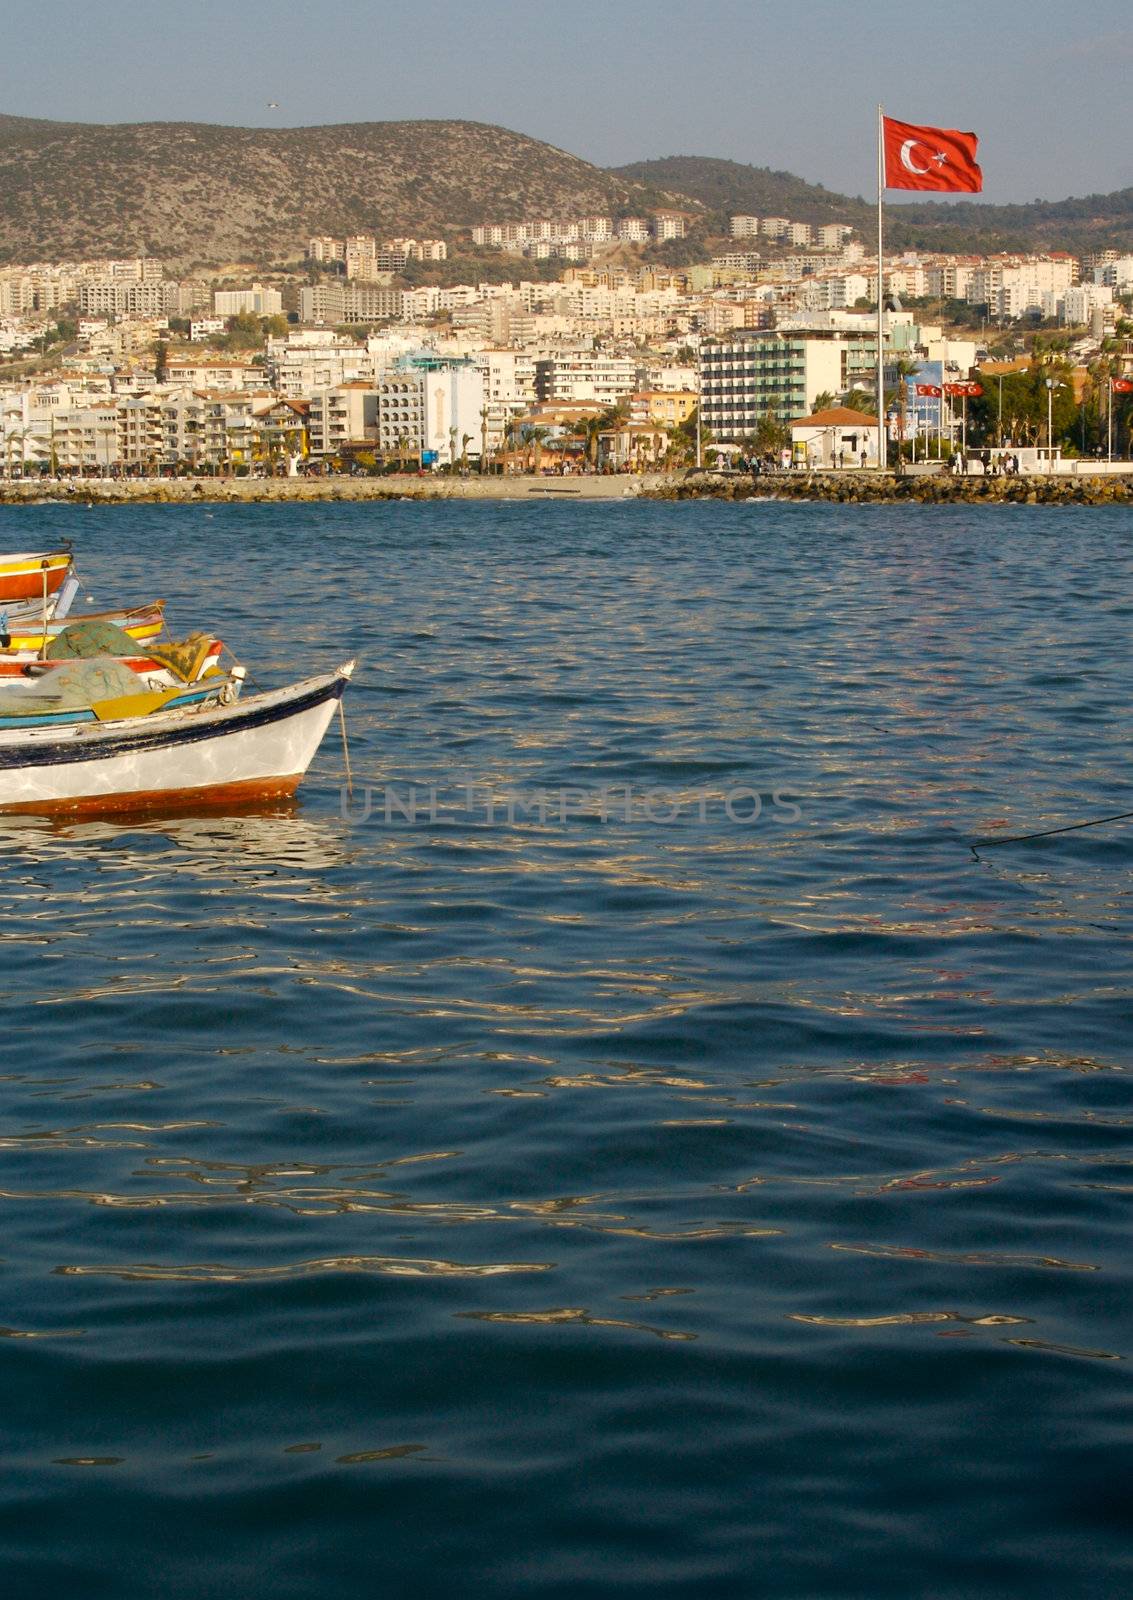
(28, 585)
(249, 791)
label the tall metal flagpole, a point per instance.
(881, 461)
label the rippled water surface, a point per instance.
(628, 1199)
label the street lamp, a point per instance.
(1051, 386)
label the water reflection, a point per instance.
(282, 834)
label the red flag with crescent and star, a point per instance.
(1121, 385)
(930, 158)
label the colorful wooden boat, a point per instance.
(29, 577)
(33, 705)
(31, 612)
(259, 748)
(164, 665)
(144, 622)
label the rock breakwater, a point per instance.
(846, 488)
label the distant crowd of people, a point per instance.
(995, 463)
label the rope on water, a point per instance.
(1046, 833)
(345, 750)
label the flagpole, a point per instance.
(1109, 415)
(881, 461)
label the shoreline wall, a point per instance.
(839, 488)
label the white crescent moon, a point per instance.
(907, 157)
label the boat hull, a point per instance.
(22, 576)
(258, 749)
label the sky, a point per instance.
(795, 87)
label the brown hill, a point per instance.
(198, 192)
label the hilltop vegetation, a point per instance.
(195, 192)
(730, 187)
(727, 188)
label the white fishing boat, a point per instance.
(259, 748)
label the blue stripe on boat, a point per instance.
(64, 752)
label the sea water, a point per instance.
(629, 1145)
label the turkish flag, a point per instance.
(931, 389)
(930, 158)
(1122, 385)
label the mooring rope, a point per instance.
(1046, 833)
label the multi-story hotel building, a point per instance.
(749, 373)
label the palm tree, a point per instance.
(483, 439)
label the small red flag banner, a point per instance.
(972, 390)
(1121, 385)
(932, 389)
(917, 157)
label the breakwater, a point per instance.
(280, 491)
(850, 488)
(841, 488)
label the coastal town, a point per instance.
(581, 352)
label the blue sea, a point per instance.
(631, 1144)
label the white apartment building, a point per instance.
(17, 294)
(86, 440)
(1116, 273)
(774, 227)
(298, 368)
(201, 329)
(798, 233)
(360, 254)
(668, 225)
(1074, 306)
(419, 249)
(1013, 286)
(343, 417)
(508, 377)
(832, 235)
(324, 248)
(259, 301)
(118, 297)
(585, 375)
(745, 376)
(210, 372)
(336, 303)
(433, 406)
(743, 227)
(632, 230)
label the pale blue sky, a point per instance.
(1045, 85)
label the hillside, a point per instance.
(197, 192)
(728, 187)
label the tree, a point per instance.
(859, 400)
(1025, 399)
(771, 434)
(160, 361)
(823, 401)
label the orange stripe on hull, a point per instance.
(29, 585)
(248, 792)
